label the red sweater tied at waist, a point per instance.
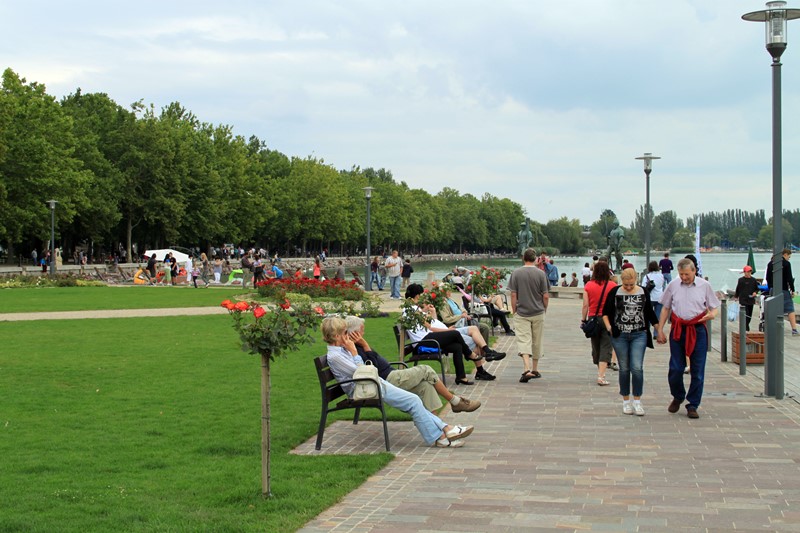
(691, 333)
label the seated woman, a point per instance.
(454, 314)
(497, 310)
(452, 341)
(343, 360)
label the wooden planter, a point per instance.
(754, 347)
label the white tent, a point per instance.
(161, 254)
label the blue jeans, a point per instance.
(657, 307)
(630, 349)
(667, 279)
(394, 282)
(429, 425)
(373, 279)
(697, 367)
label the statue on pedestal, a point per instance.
(615, 238)
(524, 237)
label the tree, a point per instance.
(564, 234)
(668, 223)
(739, 237)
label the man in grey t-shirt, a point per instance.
(529, 298)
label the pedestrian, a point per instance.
(382, 276)
(595, 294)
(529, 299)
(205, 269)
(217, 269)
(188, 267)
(406, 273)
(151, 267)
(394, 266)
(666, 268)
(166, 268)
(746, 292)
(34, 255)
(654, 289)
(690, 304)
(787, 282)
(626, 315)
(317, 268)
(339, 270)
(586, 273)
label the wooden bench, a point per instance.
(408, 353)
(566, 292)
(332, 391)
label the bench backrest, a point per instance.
(331, 390)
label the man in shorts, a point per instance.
(529, 288)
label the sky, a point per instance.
(546, 103)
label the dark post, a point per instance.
(52, 236)
(723, 345)
(368, 278)
(742, 341)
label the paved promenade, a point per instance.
(557, 454)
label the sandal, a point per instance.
(536, 374)
(464, 381)
(526, 376)
(602, 381)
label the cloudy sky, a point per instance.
(547, 103)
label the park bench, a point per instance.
(357, 277)
(332, 391)
(409, 352)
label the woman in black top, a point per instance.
(746, 291)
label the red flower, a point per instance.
(258, 312)
(494, 286)
(320, 311)
(285, 304)
(433, 296)
(241, 306)
(227, 304)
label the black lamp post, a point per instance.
(648, 167)
(775, 16)
(52, 236)
(367, 271)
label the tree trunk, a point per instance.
(265, 440)
(128, 239)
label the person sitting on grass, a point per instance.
(343, 360)
(422, 380)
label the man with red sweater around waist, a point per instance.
(690, 302)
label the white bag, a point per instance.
(365, 390)
(733, 311)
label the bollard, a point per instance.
(723, 340)
(742, 341)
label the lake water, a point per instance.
(715, 266)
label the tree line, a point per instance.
(131, 178)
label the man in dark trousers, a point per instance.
(788, 288)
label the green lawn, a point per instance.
(153, 424)
(128, 297)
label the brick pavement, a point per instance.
(557, 454)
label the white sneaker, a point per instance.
(638, 409)
(459, 432)
(447, 443)
(627, 408)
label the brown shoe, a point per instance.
(465, 405)
(691, 412)
(675, 405)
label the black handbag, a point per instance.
(593, 325)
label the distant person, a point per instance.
(564, 282)
(339, 271)
(693, 259)
(552, 272)
(574, 281)
(690, 304)
(406, 273)
(188, 267)
(151, 266)
(381, 276)
(626, 264)
(205, 269)
(317, 268)
(746, 292)
(666, 268)
(656, 289)
(217, 269)
(586, 273)
(788, 288)
(394, 267)
(595, 294)
(373, 272)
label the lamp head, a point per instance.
(52, 203)
(648, 161)
(775, 16)
(368, 192)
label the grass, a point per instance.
(153, 424)
(99, 298)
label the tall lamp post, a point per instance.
(648, 167)
(52, 236)
(775, 16)
(367, 271)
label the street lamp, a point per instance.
(367, 271)
(648, 167)
(775, 16)
(52, 236)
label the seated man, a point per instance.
(343, 360)
(463, 345)
(454, 314)
(422, 380)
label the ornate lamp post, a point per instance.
(52, 236)
(775, 16)
(648, 167)
(368, 273)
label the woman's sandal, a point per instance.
(464, 381)
(602, 381)
(526, 376)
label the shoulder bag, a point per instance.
(593, 325)
(366, 390)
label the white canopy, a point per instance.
(161, 254)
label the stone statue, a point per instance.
(524, 236)
(615, 239)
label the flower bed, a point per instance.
(330, 288)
